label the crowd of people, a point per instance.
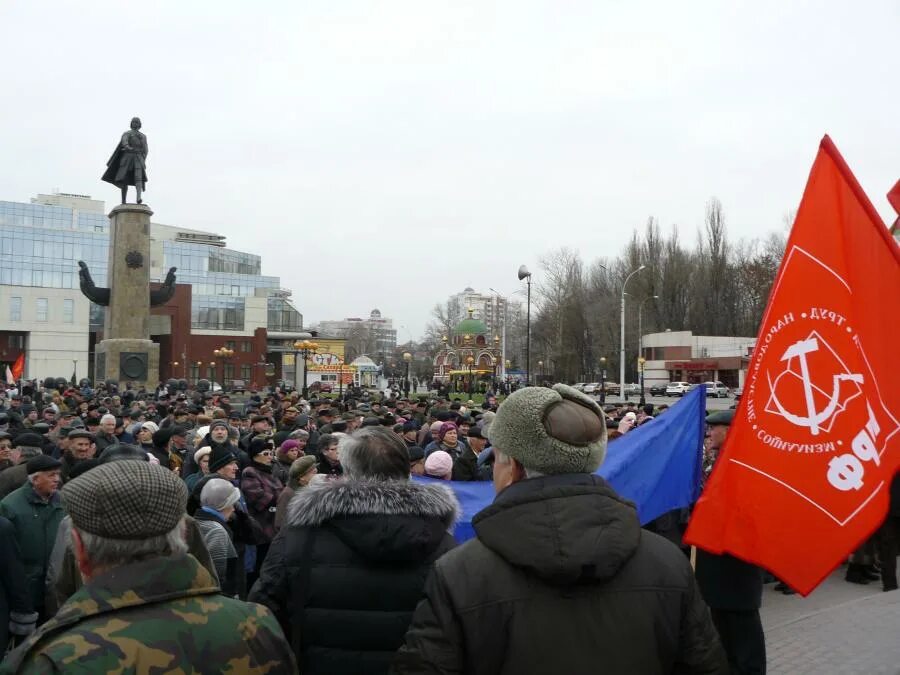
(175, 527)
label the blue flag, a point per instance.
(657, 466)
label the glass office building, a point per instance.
(41, 243)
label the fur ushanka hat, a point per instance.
(558, 430)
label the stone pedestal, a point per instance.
(125, 360)
(126, 354)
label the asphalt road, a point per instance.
(711, 403)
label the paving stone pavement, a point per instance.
(840, 629)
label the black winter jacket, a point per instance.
(346, 570)
(561, 579)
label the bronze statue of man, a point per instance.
(128, 164)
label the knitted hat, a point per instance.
(439, 464)
(152, 426)
(446, 427)
(219, 494)
(218, 423)
(288, 445)
(126, 500)
(558, 430)
(221, 456)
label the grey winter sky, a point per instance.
(388, 154)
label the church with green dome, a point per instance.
(469, 359)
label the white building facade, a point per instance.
(681, 356)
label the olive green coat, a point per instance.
(35, 522)
(163, 615)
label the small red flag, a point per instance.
(18, 367)
(804, 475)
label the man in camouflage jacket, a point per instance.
(157, 614)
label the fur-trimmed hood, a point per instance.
(384, 522)
(321, 502)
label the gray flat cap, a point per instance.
(126, 500)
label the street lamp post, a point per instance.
(408, 358)
(302, 349)
(469, 361)
(212, 368)
(641, 362)
(641, 358)
(199, 372)
(540, 372)
(223, 354)
(622, 336)
(525, 274)
(602, 380)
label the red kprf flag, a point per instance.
(804, 475)
(18, 367)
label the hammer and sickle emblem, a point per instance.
(814, 418)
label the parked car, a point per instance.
(658, 390)
(633, 389)
(677, 388)
(579, 386)
(716, 389)
(238, 387)
(612, 388)
(591, 388)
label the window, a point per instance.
(195, 372)
(246, 372)
(68, 311)
(246, 346)
(229, 371)
(15, 309)
(230, 344)
(41, 309)
(211, 373)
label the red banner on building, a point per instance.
(804, 475)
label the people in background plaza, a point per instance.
(889, 539)
(217, 500)
(347, 569)
(439, 464)
(559, 559)
(302, 471)
(201, 461)
(35, 512)
(140, 586)
(447, 440)
(106, 434)
(17, 616)
(9, 456)
(260, 488)
(25, 447)
(329, 461)
(287, 452)
(81, 447)
(466, 467)
(732, 588)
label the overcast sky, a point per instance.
(388, 154)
